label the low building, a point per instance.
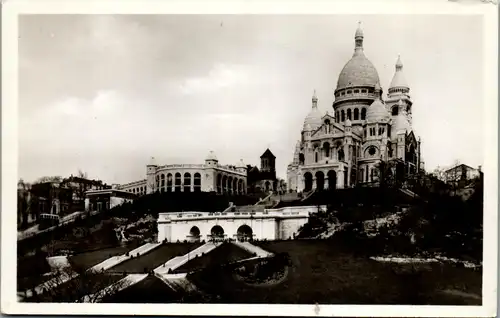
(270, 224)
(208, 177)
(106, 199)
(461, 172)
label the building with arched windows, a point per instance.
(208, 177)
(343, 148)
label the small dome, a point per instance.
(399, 79)
(152, 161)
(377, 112)
(211, 156)
(313, 120)
(401, 125)
(241, 164)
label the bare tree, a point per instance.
(23, 203)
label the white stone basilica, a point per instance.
(342, 149)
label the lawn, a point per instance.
(225, 253)
(155, 258)
(320, 273)
(150, 290)
(88, 259)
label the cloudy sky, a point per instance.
(105, 93)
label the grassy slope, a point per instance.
(222, 254)
(322, 274)
(150, 290)
(154, 258)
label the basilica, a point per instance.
(345, 148)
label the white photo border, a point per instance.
(10, 12)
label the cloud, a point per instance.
(221, 76)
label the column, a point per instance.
(314, 183)
(326, 182)
(340, 179)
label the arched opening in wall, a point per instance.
(340, 155)
(336, 116)
(197, 182)
(349, 114)
(219, 183)
(235, 186)
(162, 178)
(353, 176)
(301, 159)
(361, 175)
(316, 157)
(363, 113)
(345, 178)
(320, 180)
(244, 233)
(187, 182)
(169, 182)
(157, 183)
(308, 181)
(241, 187)
(224, 184)
(332, 179)
(326, 148)
(230, 185)
(217, 233)
(194, 234)
(342, 116)
(267, 186)
(395, 111)
(356, 114)
(178, 182)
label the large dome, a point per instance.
(359, 71)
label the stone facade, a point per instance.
(345, 147)
(208, 177)
(272, 224)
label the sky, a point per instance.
(105, 93)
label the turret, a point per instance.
(211, 159)
(150, 173)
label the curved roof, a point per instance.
(211, 156)
(401, 125)
(312, 120)
(358, 71)
(399, 79)
(377, 112)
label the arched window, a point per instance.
(178, 181)
(363, 113)
(349, 114)
(162, 178)
(187, 182)
(341, 154)
(356, 114)
(337, 116)
(316, 157)
(395, 111)
(365, 132)
(157, 183)
(169, 182)
(197, 182)
(301, 159)
(342, 115)
(326, 147)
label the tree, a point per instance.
(23, 203)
